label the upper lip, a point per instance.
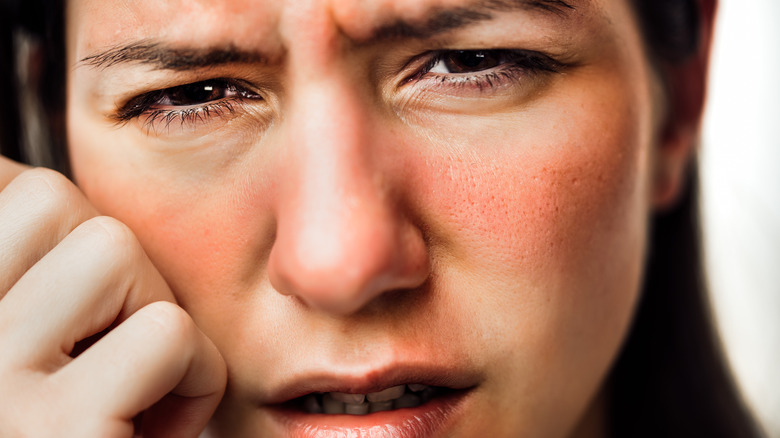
(372, 380)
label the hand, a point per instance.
(68, 276)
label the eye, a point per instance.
(480, 72)
(466, 61)
(197, 93)
(197, 101)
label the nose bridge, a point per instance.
(328, 128)
(333, 193)
(340, 234)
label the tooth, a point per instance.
(415, 387)
(386, 394)
(355, 399)
(311, 405)
(356, 409)
(380, 406)
(407, 400)
(332, 406)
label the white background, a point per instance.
(740, 160)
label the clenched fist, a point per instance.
(71, 280)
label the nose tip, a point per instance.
(340, 269)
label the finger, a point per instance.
(157, 351)
(98, 274)
(37, 210)
(9, 170)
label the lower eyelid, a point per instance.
(160, 118)
(494, 78)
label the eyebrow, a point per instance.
(164, 57)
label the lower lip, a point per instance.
(431, 419)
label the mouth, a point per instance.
(389, 399)
(416, 404)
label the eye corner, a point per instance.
(134, 107)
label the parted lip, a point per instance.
(306, 382)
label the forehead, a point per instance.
(267, 23)
(99, 23)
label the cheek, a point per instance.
(543, 233)
(203, 233)
(532, 199)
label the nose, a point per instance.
(343, 237)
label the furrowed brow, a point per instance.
(164, 57)
(443, 20)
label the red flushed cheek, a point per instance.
(537, 204)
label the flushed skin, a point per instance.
(355, 220)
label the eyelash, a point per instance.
(148, 104)
(511, 66)
(200, 113)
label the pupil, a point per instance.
(471, 59)
(197, 93)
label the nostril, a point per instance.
(334, 288)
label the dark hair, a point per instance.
(38, 95)
(9, 113)
(670, 379)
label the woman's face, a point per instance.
(350, 195)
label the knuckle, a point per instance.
(171, 322)
(52, 178)
(112, 238)
(50, 190)
(111, 229)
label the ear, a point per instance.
(686, 85)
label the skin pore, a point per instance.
(334, 201)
